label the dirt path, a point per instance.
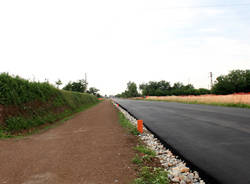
(91, 148)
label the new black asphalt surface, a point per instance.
(214, 139)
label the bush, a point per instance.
(17, 91)
(37, 103)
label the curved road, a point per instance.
(214, 139)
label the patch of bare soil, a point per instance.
(28, 109)
(91, 148)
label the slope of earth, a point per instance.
(90, 148)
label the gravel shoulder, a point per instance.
(90, 148)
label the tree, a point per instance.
(164, 88)
(132, 90)
(178, 85)
(58, 83)
(236, 81)
(93, 91)
(79, 86)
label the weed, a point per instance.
(137, 160)
(126, 124)
(149, 175)
(147, 157)
(145, 150)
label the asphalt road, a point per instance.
(214, 139)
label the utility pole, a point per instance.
(86, 81)
(211, 78)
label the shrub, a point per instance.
(37, 103)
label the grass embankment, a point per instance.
(149, 168)
(25, 105)
(233, 100)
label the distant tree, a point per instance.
(164, 88)
(203, 91)
(93, 91)
(79, 86)
(178, 85)
(68, 86)
(132, 90)
(58, 83)
(236, 81)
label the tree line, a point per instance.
(236, 81)
(79, 86)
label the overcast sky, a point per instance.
(119, 41)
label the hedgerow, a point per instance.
(37, 103)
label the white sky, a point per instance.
(119, 41)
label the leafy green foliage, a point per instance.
(126, 124)
(75, 99)
(78, 86)
(94, 91)
(149, 175)
(17, 91)
(163, 88)
(137, 160)
(131, 91)
(236, 81)
(58, 83)
(52, 104)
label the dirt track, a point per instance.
(91, 148)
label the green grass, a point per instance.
(147, 154)
(6, 135)
(16, 91)
(126, 124)
(140, 159)
(238, 105)
(143, 149)
(137, 159)
(36, 103)
(150, 175)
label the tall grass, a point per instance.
(237, 100)
(36, 103)
(16, 91)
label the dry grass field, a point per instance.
(241, 99)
